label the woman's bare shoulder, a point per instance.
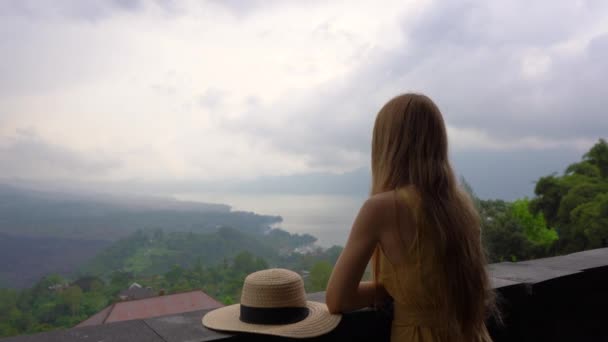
(381, 202)
(383, 206)
(386, 200)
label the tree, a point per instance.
(175, 274)
(227, 300)
(120, 279)
(598, 156)
(502, 235)
(333, 253)
(584, 168)
(246, 263)
(7, 329)
(534, 226)
(8, 301)
(592, 216)
(549, 192)
(72, 297)
(572, 203)
(319, 276)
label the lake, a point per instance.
(327, 217)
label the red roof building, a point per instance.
(153, 307)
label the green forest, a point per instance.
(55, 302)
(568, 213)
(153, 251)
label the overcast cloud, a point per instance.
(192, 92)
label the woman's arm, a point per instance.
(344, 291)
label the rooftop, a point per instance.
(153, 307)
(562, 298)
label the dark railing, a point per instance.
(562, 298)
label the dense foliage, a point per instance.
(149, 252)
(576, 203)
(569, 213)
(55, 303)
(511, 232)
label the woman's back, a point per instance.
(410, 271)
(432, 262)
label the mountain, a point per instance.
(45, 232)
(150, 252)
(27, 259)
(34, 213)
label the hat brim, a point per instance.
(318, 322)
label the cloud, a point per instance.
(515, 79)
(212, 99)
(500, 73)
(239, 90)
(26, 155)
(92, 10)
(241, 8)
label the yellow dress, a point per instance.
(414, 316)
(414, 286)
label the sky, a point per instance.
(280, 96)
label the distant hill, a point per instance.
(54, 232)
(154, 251)
(34, 213)
(27, 259)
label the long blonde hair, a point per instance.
(410, 148)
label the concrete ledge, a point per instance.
(563, 298)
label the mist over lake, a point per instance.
(327, 217)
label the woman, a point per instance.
(421, 231)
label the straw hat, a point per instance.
(273, 302)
